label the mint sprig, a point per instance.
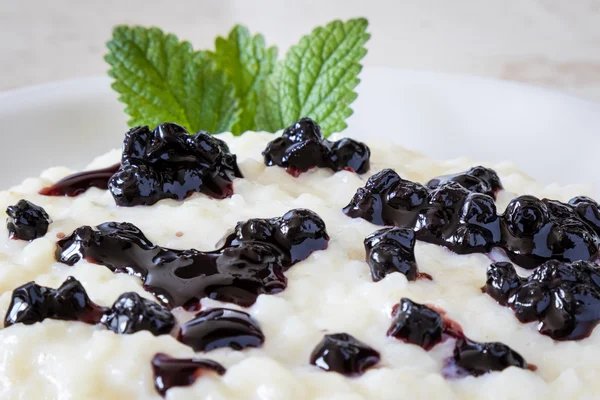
(162, 79)
(238, 86)
(316, 79)
(247, 62)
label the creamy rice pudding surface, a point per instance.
(330, 292)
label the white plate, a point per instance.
(551, 136)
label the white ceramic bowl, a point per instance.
(551, 136)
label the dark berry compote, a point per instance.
(478, 179)
(251, 262)
(31, 303)
(171, 372)
(392, 250)
(563, 297)
(534, 231)
(169, 163)
(425, 326)
(221, 327)
(302, 147)
(132, 313)
(75, 184)
(344, 354)
(26, 221)
(531, 231)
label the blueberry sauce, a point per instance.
(588, 210)
(531, 231)
(171, 372)
(74, 185)
(344, 354)
(33, 303)
(475, 359)
(251, 262)
(221, 327)
(169, 163)
(534, 231)
(417, 324)
(302, 147)
(132, 313)
(563, 297)
(391, 250)
(26, 221)
(477, 179)
(426, 326)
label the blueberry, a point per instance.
(344, 354)
(529, 301)
(391, 250)
(525, 216)
(32, 303)
(478, 226)
(478, 209)
(475, 359)
(132, 313)
(302, 147)
(27, 221)
(477, 179)
(502, 280)
(351, 155)
(448, 195)
(588, 210)
(133, 182)
(407, 195)
(303, 130)
(169, 163)
(374, 201)
(28, 305)
(300, 232)
(417, 324)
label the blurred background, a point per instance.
(550, 43)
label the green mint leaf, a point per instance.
(247, 62)
(316, 79)
(161, 79)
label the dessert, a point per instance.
(360, 279)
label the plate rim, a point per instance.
(515, 85)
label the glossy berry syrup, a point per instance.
(531, 231)
(130, 313)
(344, 354)
(169, 163)
(26, 221)
(74, 185)
(33, 303)
(425, 326)
(417, 324)
(475, 359)
(251, 262)
(221, 327)
(391, 250)
(171, 372)
(563, 297)
(302, 147)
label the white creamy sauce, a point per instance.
(330, 292)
